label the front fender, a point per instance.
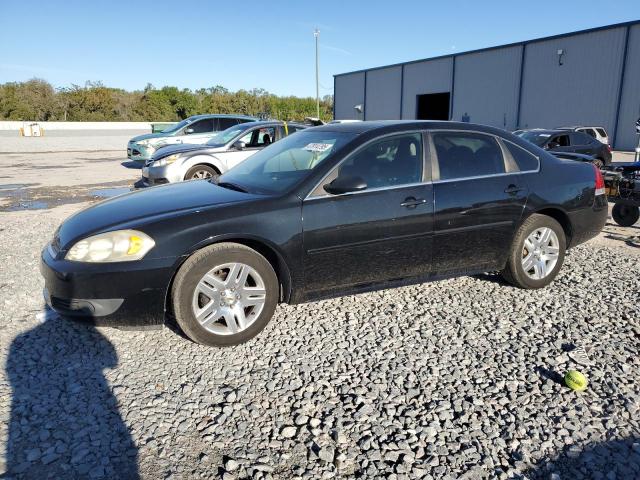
(202, 159)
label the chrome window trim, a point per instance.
(431, 161)
(309, 195)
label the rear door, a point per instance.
(479, 197)
(379, 234)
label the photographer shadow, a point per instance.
(64, 419)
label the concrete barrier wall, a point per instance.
(49, 126)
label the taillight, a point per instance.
(599, 181)
(609, 148)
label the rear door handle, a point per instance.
(512, 189)
(412, 202)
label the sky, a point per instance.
(270, 45)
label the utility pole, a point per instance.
(316, 34)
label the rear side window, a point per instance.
(526, 161)
(601, 132)
(588, 131)
(462, 155)
(224, 123)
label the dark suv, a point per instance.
(561, 140)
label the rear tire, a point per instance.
(224, 294)
(625, 215)
(201, 171)
(537, 253)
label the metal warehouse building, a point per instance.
(590, 77)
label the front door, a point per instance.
(382, 233)
(198, 132)
(479, 198)
(254, 141)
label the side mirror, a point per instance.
(345, 184)
(239, 145)
(552, 145)
(188, 131)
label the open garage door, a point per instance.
(433, 106)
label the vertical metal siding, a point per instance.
(432, 76)
(581, 91)
(626, 137)
(383, 93)
(486, 87)
(348, 92)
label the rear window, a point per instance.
(526, 161)
(462, 155)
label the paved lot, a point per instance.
(456, 379)
(67, 140)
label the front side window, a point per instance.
(201, 126)
(260, 137)
(559, 141)
(462, 155)
(396, 160)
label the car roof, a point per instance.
(575, 127)
(270, 123)
(549, 131)
(382, 126)
(221, 115)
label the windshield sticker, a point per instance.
(318, 147)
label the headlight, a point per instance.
(166, 160)
(118, 246)
(145, 143)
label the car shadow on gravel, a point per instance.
(132, 164)
(65, 421)
(617, 459)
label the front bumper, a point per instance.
(139, 153)
(111, 294)
(152, 176)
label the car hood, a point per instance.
(134, 209)
(147, 136)
(182, 148)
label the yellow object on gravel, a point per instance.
(575, 380)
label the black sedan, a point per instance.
(333, 210)
(562, 140)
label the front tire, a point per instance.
(198, 172)
(537, 253)
(224, 294)
(625, 215)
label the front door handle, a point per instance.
(512, 189)
(412, 202)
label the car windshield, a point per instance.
(225, 136)
(178, 126)
(537, 138)
(281, 165)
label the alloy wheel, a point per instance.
(198, 174)
(229, 298)
(540, 253)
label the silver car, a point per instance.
(197, 129)
(176, 163)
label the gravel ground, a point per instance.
(455, 379)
